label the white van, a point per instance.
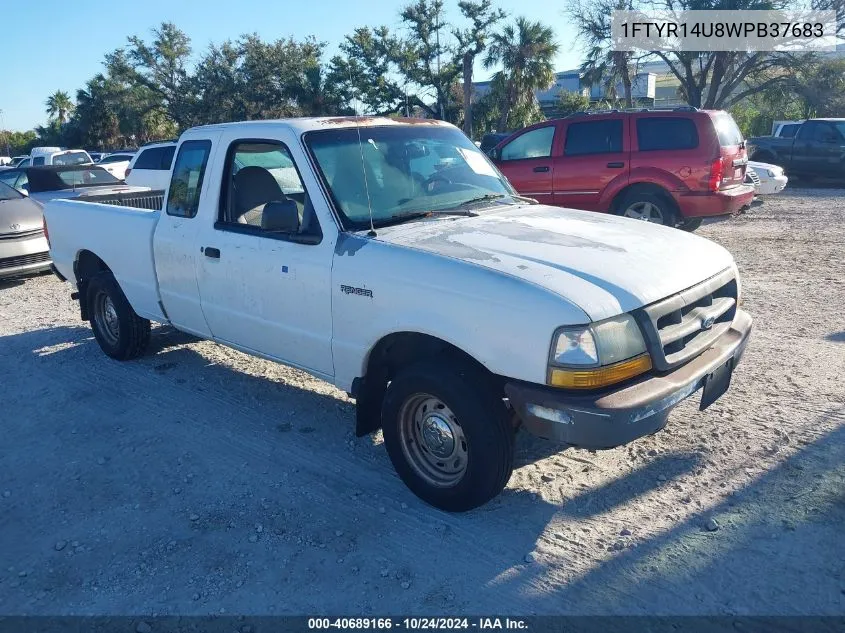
(59, 156)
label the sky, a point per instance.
(66, 48)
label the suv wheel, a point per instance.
(448, 434)
(648, 207)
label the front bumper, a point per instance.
(23, 256)
(774, 185)
(618, 415)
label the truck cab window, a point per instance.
(186, 183)
(263, 192)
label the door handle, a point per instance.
(618, 165)
(212, 252)
(542, 169)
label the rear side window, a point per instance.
(666, 133)
(38, 160)
(184, 195)
(534, 144)
(593, 137)
(788, 131)
(727, 130)
(155, 158)
(71, 158)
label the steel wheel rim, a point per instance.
(105, 315)
(646, 211)
(432, 440)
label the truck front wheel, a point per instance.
(120, 332)
(448, 434)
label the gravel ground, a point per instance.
(199, 480)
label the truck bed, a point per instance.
(121, 236)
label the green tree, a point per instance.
(161, 67)
(569, 102)
(59, 106)
(425, 58)
(526, 52)
(603, 65)
(471, 43)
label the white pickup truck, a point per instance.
(391, 258)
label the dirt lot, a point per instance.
(199, 480)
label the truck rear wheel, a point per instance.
(120, 332)
(448, 434)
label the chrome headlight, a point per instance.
(598, 354)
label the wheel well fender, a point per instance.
(388, 356)
(85, 266)
(642, 187)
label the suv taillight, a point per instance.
(46, 234)
(715, 174)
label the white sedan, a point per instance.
(116, 164)
(766, 178)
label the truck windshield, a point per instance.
(403, 171)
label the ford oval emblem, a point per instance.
(707, 322)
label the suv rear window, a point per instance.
(155, 158)
(727, 130)
(666, 133)
(593, 137)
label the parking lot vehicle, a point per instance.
(818, 149)
(17, 160)
(116, 164)
(489, 141)
(767, 179)
(390, 258)
(150, 166)
(672, 167)
(785, 129)
(47, 183)
(42, 156)
(23, 248)
(5, 160)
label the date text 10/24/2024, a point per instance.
(418, 623)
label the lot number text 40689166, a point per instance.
(419, 623)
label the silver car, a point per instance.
(23, 247)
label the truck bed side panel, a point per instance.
(120, 236)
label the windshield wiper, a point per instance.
(413, 215)
(496, 196)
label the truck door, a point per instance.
(803, 157)
(828, 149)
(175, 241)
(264, 269)
(593, 153)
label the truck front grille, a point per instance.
(682, 326)
(752, 175)
(24, 260)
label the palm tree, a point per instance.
(603, 66)
(526, 51)
(59, 106)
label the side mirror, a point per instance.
(496, 153)
(280, 216)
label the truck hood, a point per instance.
(604, 264)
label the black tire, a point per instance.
(650, 200)
(122, 335)
(690, 224)
(486, 428)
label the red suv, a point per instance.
(673, 167)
